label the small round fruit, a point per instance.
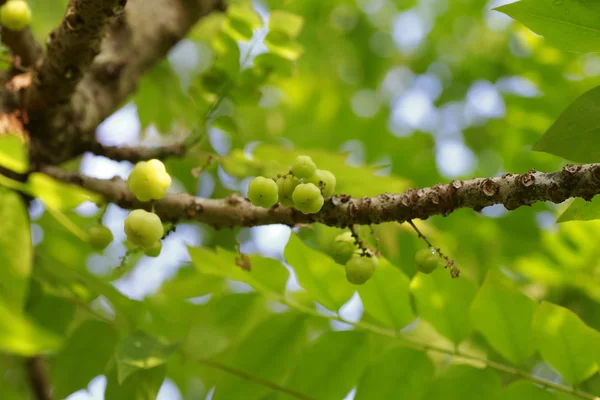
(427, 261)
(286, 185)
(149, 180)
(143, 228)
(262, 192)
(307, 198)
(343, 248)
(99, 236)
(154, 250)
(360, 268)
(304, 167)
(15, 15)
(325, 180)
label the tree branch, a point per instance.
(71, 48)
(511, 190)
(135, 42)
(138, 153)
(23, 45)
(38, 378)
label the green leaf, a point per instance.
(226, 124)
(524, 390)
(444, 302)
(279, 43)
(85, 355)
(570, 24)
(464, 383)
(288, 23)
(19, 335)
(398, 370)
(575, 133)
(265, 274)
(143, 384)
(330, 368)
(267, 63)
(189, 282)
(322, 278)
(566, 342)
(581, 210)
(141, 351)
(268, 353)
(244, 13)
(13, 153)
(222, 323)
(386, 296)
(59, 195)
(161, 101)
(15, 250)
(503, 315)
(54, 313)
(227, 52)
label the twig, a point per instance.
(454, 271)
(23, 46)
(419, 345)
(342, 210)
(38, 378)
(137, 153)
(255, 379)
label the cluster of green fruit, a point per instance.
(15, 15)
(149, 180)
(427, 260)
(360, 265)
(305, 187)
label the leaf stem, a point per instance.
(255, 379)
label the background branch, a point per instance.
(72, 46)
(511, 190)
(135, 42)
(38, 377)
(137, 153)
(23, 46)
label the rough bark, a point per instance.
(138, 153)
(141, 36)
(511, 190)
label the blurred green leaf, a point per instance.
(286, 22)
(59, 195)
(566, 342)
(503, 315)
(570, 25)
(280, 43)
(322, 278)
(581, 210)
(330, 368)
(386, 296)
(160, 99)
(524, 390)
(265, 274)
(15, 250)
(221, 323)
(13, 153)
(397, 370)
(70, 371)
(142, 384)
(444, 302)
(575, 133)
(464, 383)
(141, 351)
(267, 63)
(268, 353)
(19, 335)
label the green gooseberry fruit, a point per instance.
(304, 167)
(263, 192)
(427, 261)
(360, 268)
(143, 228)
(307, 198)
(99, 236)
